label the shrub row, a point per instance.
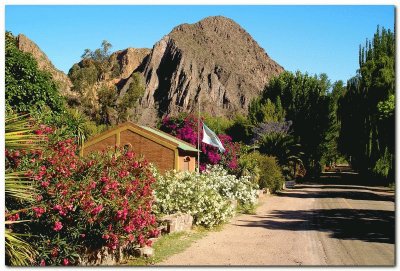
(206, 196)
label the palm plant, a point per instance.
(285, 149)
(19, 135)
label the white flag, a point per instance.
(209, 137)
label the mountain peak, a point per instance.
(214, 61)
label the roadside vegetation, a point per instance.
(60, 205)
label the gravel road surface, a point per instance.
(312, 224)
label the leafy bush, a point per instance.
(205, 196)
(263, 169)
(86, 203)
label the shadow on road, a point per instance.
(342, 193)
(358, 224)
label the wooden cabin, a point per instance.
(166, 152)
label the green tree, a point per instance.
(331, 152)
(107, 98)
(100, 58)
(305, 102)
(26, 87)
(366, 135)
(130, 98)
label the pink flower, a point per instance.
(14, 217)
(45, 184)
(42, 263)
(65, 262)
(130, 154)
(97, 210)
(121, 214)
(130, 228)
(57, 226)
(39, 211)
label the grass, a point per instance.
(169, 245)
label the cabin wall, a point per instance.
(110, 141)
(153, 152)
(187, 161)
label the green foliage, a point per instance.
(386, 108)
(366, 111)
(18, 188)
(83, 76)
(287, 152)
(305, 102)
(384, 164)
(70, 124)
(266, 111)
(100, 58)
(263, 169)
(218, 124)
(133, 94)
(240, 130)
(107, 98)
(26, 87)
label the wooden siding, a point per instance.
(103, 144)
(155, 149)
(161, 156)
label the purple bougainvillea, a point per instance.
(185, 128)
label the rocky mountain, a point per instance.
(26, 45)
(214, 62)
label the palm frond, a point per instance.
(18, 251)
(19, 133)
(18, 186)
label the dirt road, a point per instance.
(309, 225)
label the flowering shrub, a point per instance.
(228, 186)
(86, 203)
(185, 128)
(205, 196)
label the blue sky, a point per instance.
(313, 39)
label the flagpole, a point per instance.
(198, 137)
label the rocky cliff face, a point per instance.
(26, 45)
(129, 60)
(214, 62)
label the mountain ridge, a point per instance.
(214, 61)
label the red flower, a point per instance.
(54, 252)
(57, 226)
(65, 261)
